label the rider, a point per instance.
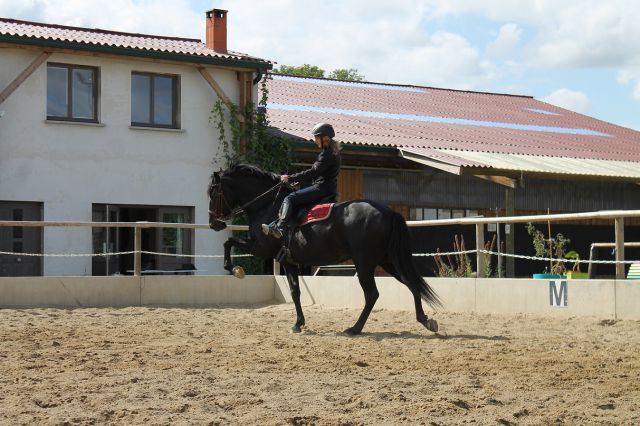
(324, 173)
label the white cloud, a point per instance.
(631, 76)
(569, 99)
(390, 44)
(161, 17)
(507, 40)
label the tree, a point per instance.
(305, 70)
(314, 71)
(346, 74)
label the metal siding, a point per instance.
(433, 188)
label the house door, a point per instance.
(105, 241)
(20, 240)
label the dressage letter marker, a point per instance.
(558, 297)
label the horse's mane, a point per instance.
(243, 169)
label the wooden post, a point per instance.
(137, 256)
(619, 229)
(480, 257)
(243, 106)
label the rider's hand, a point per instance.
(284, 178)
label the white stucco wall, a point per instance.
(68, 167)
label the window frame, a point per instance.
(175, 93)
(95, 93)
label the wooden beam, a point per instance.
(23, 76)
(242, 105)
(216, 88)
(502, 180)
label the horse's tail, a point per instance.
(401, 258)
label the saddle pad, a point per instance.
(317, 213)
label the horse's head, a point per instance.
(219, 208)
(237, 188)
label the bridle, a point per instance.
(216, 195)
(220, 202)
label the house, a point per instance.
(435, 153)
(109, 126)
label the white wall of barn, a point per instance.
(68, 167)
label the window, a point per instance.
(173, 238)
(419, 213)
(72, 93)
(154, 100)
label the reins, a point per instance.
(241, 209)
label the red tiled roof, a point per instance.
(441, 122)
(35, 31)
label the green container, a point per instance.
(572, 275)
(548, 276)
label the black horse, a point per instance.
(368, 233)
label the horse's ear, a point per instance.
(216, 177)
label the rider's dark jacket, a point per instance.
(324, 172)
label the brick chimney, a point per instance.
(217, 29)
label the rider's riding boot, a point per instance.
(273, 229)
(277, 228)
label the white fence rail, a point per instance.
(617, 216)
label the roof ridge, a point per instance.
(99, 30)
(403, 85)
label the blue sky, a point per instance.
(582, 55)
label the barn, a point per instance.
(434, 153)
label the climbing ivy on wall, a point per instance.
(262, 148)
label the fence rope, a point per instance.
(217, 256)
(118, 253)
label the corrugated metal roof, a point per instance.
(35, 31)
(456, 128)
(528, 163)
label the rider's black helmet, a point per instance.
(323, 129)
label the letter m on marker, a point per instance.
(558, 296)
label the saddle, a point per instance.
(314, 212)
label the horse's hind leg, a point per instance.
(294, 287)
(368, 284)
(421, 317)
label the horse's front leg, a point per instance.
(294, 285)
(246, 245)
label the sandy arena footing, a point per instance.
(237, 365)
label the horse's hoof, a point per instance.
(238, 272)
(432, 325)
(351, 331)
(296, 329)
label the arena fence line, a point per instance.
(617, 216)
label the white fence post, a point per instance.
(137, 256)
(619, 229)
(480, 258)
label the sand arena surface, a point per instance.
(243, 366)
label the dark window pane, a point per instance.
(18, 214)
(57, 92)
(83, 81)
(163, 100)
(140, 99)
(18, 247)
